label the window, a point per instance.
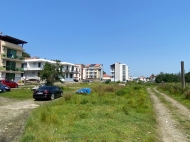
(72, 68)
(11, 53)
(10, 65)
(66, 75)
(71, 75)
(67, 67)
(10, 76)
(39, 65)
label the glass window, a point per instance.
(11, 53)
(10, 76)
(10, 65)
(39, 65)
(71, 75)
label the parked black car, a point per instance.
(4, 87)
(47, 92)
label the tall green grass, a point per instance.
(177, 92)
(109, 114)
(20, 93)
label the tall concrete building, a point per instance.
(11, 58)
(119, 72)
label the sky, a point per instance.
(150, 36)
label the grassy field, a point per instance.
(177, 92)
(18, 93)
(110, 113)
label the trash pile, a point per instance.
(83, 91)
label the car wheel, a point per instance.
(52, 96)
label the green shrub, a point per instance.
(84, 101)
(187, 94)
(120, 92)
(107, 81)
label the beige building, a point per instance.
(11, 58)
(79, 69)
(93, 72)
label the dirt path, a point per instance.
(169, 132)
(13, 115)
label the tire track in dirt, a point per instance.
(181, 109)
(168, 131)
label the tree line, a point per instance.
(170, 77)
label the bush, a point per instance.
(107, 81)
(187, 94)
(120, 92)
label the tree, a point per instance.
(187, 77)
(52, 72)
(25, 54)
(104, 72)
(167, 77)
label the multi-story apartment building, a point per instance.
(93, 71)
(33, 66)
(11, 57)
(79, 76)
(119, 72)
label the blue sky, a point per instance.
(150, 36)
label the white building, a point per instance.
(33, 66)
(119, 72)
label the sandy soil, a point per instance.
(13, 115)
(167, 126)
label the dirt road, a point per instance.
(13, 115)
(169, 127)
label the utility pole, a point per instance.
(182, 74)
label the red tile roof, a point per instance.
(105, 75)
(97, 65)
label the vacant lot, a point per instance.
(109, 113)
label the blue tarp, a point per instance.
(84, 91)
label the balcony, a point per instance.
(31, 69)
(12, 58)
(72, 71)
(12, 46)
(11, 70)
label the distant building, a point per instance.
(131, 78)
(33, 66)
(119, 72)
(93, 72)
(11, 58)
(79, 76)
(106, 77)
